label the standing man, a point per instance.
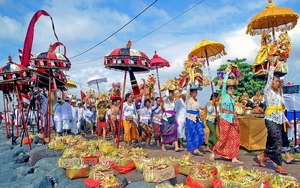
(66, 115)
(80, 121)
(74, 117)
(57, 117)
(180, 114)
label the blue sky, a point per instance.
(82, 24)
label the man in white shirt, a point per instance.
(66, 116)
(180, 114)
(74, 117)
(80, 116)
(57, 117)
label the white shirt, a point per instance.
(74, 112)
(129, 110)
(57, 112)
(66, 111)
(146, 113)
(156, 112)
(168, 106)
(80, 113)
(87, 115)
(180, 109)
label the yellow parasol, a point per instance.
(272, 18)
(70, 84)
(210, 50)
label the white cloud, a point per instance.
(9, 28)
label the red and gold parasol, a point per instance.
(13, 78)
(158, 62)
(127, 59)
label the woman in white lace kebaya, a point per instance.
(274, 121)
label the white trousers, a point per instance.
(58, 126)
(66, 124)
(181, 128)
(74, 126)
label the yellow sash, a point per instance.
(271, 109)
(277, 109)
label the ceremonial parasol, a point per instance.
(158, 62)
(12, 75)
(70, 84)
(127, 59)
(272, 18)
(210, 50)
(96, 80)
(52, 63)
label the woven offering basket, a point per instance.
(229, 82)
(186, 170)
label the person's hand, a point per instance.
(289, 125)
(271, 60)
(187, 80)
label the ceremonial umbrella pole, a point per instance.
(127, 60)
(54, 63)
(210, 50)
(158, 62)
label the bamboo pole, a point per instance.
(121, 109)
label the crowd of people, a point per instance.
(177, 118)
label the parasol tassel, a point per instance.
(134, 84)
(30, 34)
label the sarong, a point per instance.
(58, 126)
(194, 132)
(229, 142)
(169, 129)
(212, 139)
(88, 127)
(130, 131)
(101, 126)
(274, 142)
(113, 126)
(157, 131)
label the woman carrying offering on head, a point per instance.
(129, 120)
(229, 142)
(194, 124)
(274, 121)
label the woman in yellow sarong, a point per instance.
(129, 120)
